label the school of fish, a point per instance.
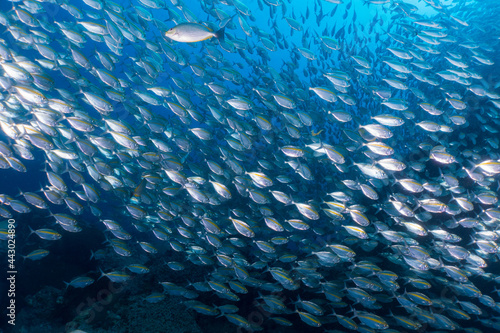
(336, 159)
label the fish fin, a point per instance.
(219, 34)
(185, 157)
(102, 274)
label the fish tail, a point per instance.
(219, 34)
(31, 231)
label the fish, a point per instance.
(191, 32)
(329, 165)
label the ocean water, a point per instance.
(239, 166)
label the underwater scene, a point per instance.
(219, 166)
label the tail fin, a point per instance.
(219, 34)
